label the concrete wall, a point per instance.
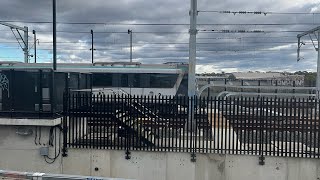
(20, 153)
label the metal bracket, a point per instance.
(193, 31)
(262, 160)
(193, 157)
(128, 155)
(64, 152)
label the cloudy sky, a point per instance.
(160, 32)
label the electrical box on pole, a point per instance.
(316, 34)
(24, 39)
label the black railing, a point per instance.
(256, 126)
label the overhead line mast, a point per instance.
(192, 63)
(24, 38)
(316, 33)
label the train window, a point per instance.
(144, 80)
(163, 80)
(124, 80)
(136, 80)
(102, 80)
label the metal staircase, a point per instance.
(136, 126)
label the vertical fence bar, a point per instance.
(296, 128)
(72, 120)
(282, 108)
(261, 126)
(215, 122)
(82, 120)
(266, 124)
(287, 128)
(245, 127)
(278, 126)
(185, 103)
(316, 114)
(188, 140)
(312, 142)
(223, 148)
(232, 116)
(315, 128)
(218, 141)
(238, 124)
(212, 124)
(257, 121)
(310, 128)
(193, 134)
(274, 125)
(105, 121)
(66, 115)
(242, 123)
(269, 125)
(291, 131)
(307, 129)
(248, 119)
(176, 103)
(98, 120)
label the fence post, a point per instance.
(261, 138)
(193, 124)
(127, 135)
(64, 121)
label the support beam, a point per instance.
(308, 32)
(14, 26)
(318, 67)
(54, 35)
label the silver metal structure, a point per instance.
(192, 59)
(24, 38)
(316, 33)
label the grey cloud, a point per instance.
(113, 46)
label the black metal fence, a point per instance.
(256, 126)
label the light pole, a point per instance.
(92, 49)
(130, 33)
(35, 45)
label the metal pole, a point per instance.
(130, 33)
(35, 46)
(54, 36)
(192, 62)
(91, 46)
(26, 45)
(318, 68)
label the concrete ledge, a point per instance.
(30, 122)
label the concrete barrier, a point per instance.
(21, 153)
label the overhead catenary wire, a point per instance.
(257, 12)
